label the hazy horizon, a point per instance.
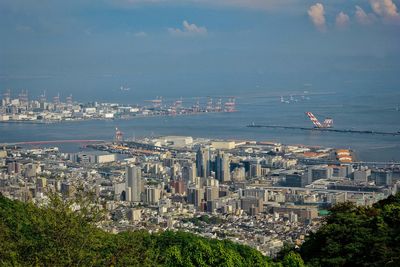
(191, 48)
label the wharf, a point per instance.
(325, 129)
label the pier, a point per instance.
(325, 129)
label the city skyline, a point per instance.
(199, 133)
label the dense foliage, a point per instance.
(357, 236)
(58, 235)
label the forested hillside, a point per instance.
(58, 235)
(357, 236)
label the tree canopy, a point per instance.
(59, 235)
(357, 236)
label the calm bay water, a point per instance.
(349, 111)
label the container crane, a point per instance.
(327, 123)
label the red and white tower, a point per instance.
(314, 120)
(328, 122)
(118, 135)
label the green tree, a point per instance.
(64, 232)
(357, 236)
(293, 259)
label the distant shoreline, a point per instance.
(106, 119)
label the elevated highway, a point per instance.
(78, 141)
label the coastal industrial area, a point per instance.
(262, 194)
(22, 109)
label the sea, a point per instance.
(356, 111)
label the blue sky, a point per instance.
(192, 47)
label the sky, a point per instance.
(198, 47)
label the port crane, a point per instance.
(327, 123)
(230, 106)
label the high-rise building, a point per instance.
(153, 195)
(361, 175)
(222, 172)
(195, 196)
(178, 186)
(133, 183)
(341, 171)
(320, 172)
(203, 165)
(67, 189)
(252, 205)
(239, 174)
(382, 177)
(189, 172)
(297, 179)
(255, 170)
(212, 189)
(30, 170)
(41, 184)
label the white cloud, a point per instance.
(362, 17)
(386, 9)
(317, 16)
(188, 30)
(342, 20)
(140, 34)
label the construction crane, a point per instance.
(218, 105)
(7, 96)
(69, 101)
(230, 106)
(196, 105)
(209, 106)
(56, 99)
(327, 123)
(177, 104)
(23, 97)
(43, 97)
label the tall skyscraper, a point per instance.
(203, 162)
(222, 172)
(133, 183)
(189, 173)
(212, 189)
